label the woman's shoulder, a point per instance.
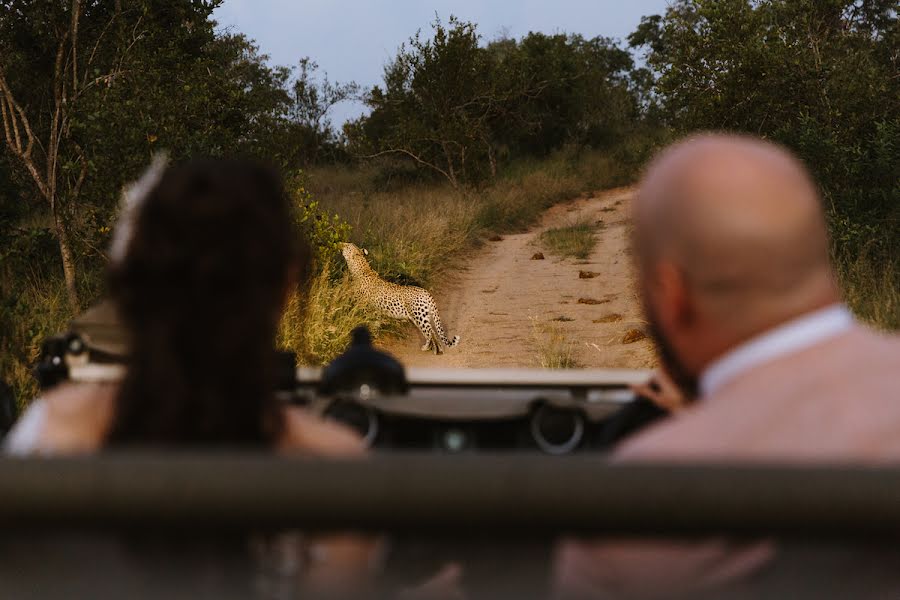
(309, 433)
(74, 417)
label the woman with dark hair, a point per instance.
(202, 261)
(200, 286)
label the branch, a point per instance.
(100, 38)
(10, 129)
(82, 174)
(76, 17)
(59, 99)
(12, 113)
(415, 158)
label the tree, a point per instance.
(91, 89)
(580, 92)
(311, 101)
(56, 59)
(454, 106)
(817, 75)
(433, 100)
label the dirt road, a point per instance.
(503, 301)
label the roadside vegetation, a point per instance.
(418, 232)
(466, 137)
(572, 241)
(554, 350)
(817, 77)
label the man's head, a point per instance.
(730, 241)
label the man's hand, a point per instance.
(662, 392)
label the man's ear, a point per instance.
(366, 252)
(675, 297)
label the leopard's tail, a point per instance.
(439, 327)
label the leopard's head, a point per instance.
(355, 256)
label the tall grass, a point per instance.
(41, 309)
(572, 241)
(316, 325)
(554, 349)
(871, 287)
(415, 232)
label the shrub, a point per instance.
(574, 241)
(324, 231)
(554, 349)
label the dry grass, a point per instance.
(572, 241)
(872, 290)
(554, 349)
(317, 326)
(417, 231)
(42, 311)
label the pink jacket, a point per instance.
(837, 401)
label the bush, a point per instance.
(818, 77)
(572, 241)
(323, 231)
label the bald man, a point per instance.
(734, 274)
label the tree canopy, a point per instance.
(820, 76)
(456, 106)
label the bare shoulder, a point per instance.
(310, 433)
(80, 399)
(78, 416)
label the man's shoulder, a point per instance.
(687, 434)
(784, 405)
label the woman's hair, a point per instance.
(200, 290)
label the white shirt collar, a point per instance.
(792, 336)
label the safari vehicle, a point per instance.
(555, 412)
(496, 516)
(415, 414)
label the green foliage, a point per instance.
(461, 110)
(140, 76)
(324, 231)
(819, 76)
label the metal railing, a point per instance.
(512, 495)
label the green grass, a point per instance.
(572, 241)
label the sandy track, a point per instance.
(496, 301)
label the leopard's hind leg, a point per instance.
(435, 338)
(418, 314)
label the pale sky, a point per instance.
(354, 39)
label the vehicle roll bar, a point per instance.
(475, 495)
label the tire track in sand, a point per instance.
(496, 300)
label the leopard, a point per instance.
(402, 302)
